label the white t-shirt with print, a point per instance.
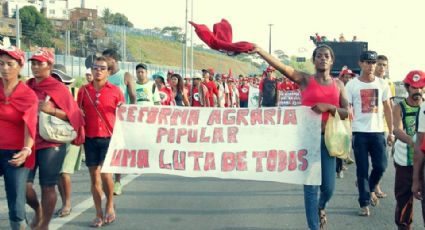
(144, 94)
(367, 101)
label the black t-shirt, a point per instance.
(269, 92)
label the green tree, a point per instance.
(36, 29)
(115, 18)
(174, 31)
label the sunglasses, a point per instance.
(99, 67)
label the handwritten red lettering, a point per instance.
(301, 158)
(290, 116)
(161, 161)
(130, 113)
(215, 117)
(179, 160)
(209, 161)
(196, 155)
(228, 118)
(259, 155)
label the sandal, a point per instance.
(374, 200)
(96, 223)
(63, 213)
(381, 194)
(110, 218)
(322, 218)
(364, 211)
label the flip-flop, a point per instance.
(110, 218)
(64, 213)
(381, 194)
(96, 223)
(322, 218)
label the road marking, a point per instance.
(57, 223)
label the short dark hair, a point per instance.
(382, 58)
(113, 53)
(142, 65)
(101, 58)
(326, 47)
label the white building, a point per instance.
(52, 9)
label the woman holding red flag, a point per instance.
(18, 121)
(325, 95)
(49, 155)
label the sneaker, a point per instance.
(117, 188)
(340, 175)
(364, 211)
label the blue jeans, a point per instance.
(15, 179)
(312, 202)
(363, 145)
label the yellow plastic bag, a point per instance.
(338, 136)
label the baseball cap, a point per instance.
(142, 65)
(345, 72)
(231, 79)
(43, 55)
(197, 76)
(158, 74)
(269, 69)
(15, 53)
(170, 72)
(210, 71)
(368, 56)
(59, 71)
(415, 78)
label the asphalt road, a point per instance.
(169, 202)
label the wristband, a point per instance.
(28, 149)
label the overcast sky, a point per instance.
(393, 28)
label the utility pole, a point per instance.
(270, 38)
(185, 43)
(18, 28)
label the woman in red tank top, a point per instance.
(325, 95)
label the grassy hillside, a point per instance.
(161, 52)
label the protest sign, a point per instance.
(267, 144)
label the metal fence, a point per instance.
(75, 66)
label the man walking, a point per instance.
(405, 115)
(370, 99)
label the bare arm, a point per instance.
(389, 119)
(20, 157)
(298, 77)
(185, 97)
(398, 127)
(418, 162)
(131, 87)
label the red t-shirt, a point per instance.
(243, 92)
(12, 126)
(107, 101)
(40, 143)
(285, 86)
(212, 89)
(166, 95)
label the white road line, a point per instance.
(57, 223)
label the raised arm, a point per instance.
(296, 76)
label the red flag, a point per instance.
(221, 38)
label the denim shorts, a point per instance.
(95, 150)
(49, 161)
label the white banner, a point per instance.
(267, 144)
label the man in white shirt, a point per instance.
(370, 99)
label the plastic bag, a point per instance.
(338, 136)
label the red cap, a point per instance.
(15, 53)
(43, 55)
(415, 78)
(231, 79)
(270, 69)
(346, 71)
(170, 71)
